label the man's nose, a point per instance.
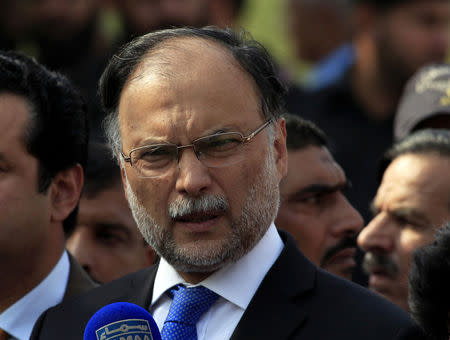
(193, 176)
(348, 220)
(378, 236)
(80, 245)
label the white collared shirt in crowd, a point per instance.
(19, 319)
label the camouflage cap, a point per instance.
(426, 94)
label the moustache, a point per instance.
(204, 204)
(348, 242)
(383, 263)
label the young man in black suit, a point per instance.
(43, 149)
(195, 121)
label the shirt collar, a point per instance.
(236, 282)
(19, 319)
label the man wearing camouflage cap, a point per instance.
(425, 102)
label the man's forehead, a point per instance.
(15, 116)
(180, 55)
(315, 165)
(415, 180)
(424, 171)
(322, 158)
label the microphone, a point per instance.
(121, 321)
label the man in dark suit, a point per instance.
(43, 142)
(195, 121)
(314, 208)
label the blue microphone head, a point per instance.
(122, 321)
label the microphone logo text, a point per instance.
(131, 329)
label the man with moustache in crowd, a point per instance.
(194, 119)
(313, 207)
(412, 202)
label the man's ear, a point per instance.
(65, 191)
(280, 149)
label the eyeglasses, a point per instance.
(214, 151)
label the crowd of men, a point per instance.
(205, 200)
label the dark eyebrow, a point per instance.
(151, 142)
(321, 189)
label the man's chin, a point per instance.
(202, 256)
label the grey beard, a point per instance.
(259, 210)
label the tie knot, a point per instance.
(189, 304)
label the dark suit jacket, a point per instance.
(296, 300)
(79, 281)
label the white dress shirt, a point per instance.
(19, 319)
(236, 283)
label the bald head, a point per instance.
(176, 57)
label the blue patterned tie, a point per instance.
(187, 307)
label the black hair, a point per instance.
(57, 132)
(102, 172)
(427, 141)
(429, 283)
(302, 133)
(251, 56)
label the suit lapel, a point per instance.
(79, 281)
(281, 304)
(140, 290)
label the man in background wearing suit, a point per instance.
(43, 142)
(194, 119)
(313, 206)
